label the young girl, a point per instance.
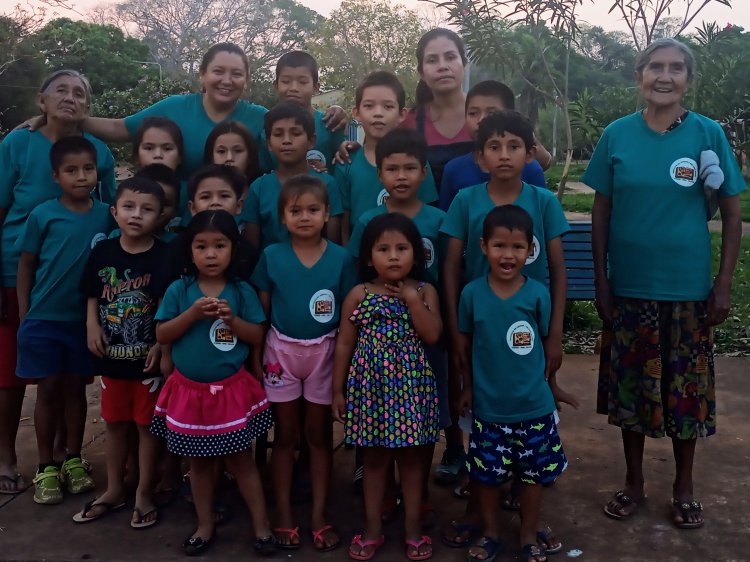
(302, 283)
(383, 386)
(230, 143)
(210, 406)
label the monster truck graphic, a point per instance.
(129, 317)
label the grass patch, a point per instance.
(745, 204)
(578, 202)
(555, 171)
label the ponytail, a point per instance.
(423, 95)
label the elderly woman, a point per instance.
(652, 171)
(25, 182)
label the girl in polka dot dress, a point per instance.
(210, 406)
(383, 386)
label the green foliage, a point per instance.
(733, 336)
(578, 202)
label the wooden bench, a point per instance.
(579, 261)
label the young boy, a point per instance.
(483, 99)
(168, 226)
(380, 102)
(54, 244)
(297, 81)
(124, 280)
(501, 318)
(290, 131)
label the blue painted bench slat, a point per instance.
(579, 261)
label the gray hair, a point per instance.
(645, 56)
(66, 72)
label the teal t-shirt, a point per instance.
(187, 111)
(465, 219)
(362, 190)
(428, 220)
(326, 143)
(507, 352)
(262, 206)
(209, 351)
(26, 181)
(62, 241)
(305, 301)
(659, 245)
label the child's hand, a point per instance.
(166, 365)
(205, 308)
(96, 340)
(338, 408)
(318, 166)
(563, 397)
(345, 149)
(335, 118)
(465, 402)
(153, 359)
(553, 351)
(406, 291)
(225, 312)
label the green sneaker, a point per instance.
(76, 477)
(47, 489)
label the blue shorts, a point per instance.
(47, 348)
(530, 449)
(438, 358)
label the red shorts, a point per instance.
(8, 342)
(125, 400)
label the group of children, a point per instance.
(238, 301)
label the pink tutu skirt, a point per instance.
(201, 419)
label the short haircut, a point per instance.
(231, 176)
(296, 186)
(298, 59)
(492, 89)
(289, 110)
(375, 229)
(511, 217)
(70, 145)
(141, 184)
(166, 125)
(402, 141)
(162, 174)
(252, 170)
(506, 121)
(381, 78)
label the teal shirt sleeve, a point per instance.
(251, 209)
(106, 178)
(335, 206)
(160, 109)
(250, 308)
(356, 238)
(465, 312)
(260, 277)
(169, 308)
(341, 175)
(8, 174)
(555, 223)
(599, 173)
(455, 222)
(30, 237)
(544, 312)
(349, 277)
(427, 191)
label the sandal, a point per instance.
(290, 536)
(195, 546)
(547, 540)
(17, 483)
(319, 541)
(533, 552)
(467, 530)
(141, 518)
(265, 546)
(683, 510)
(490, 546)
(362, 544)
(107, 508)
(413, 546)
(622, 500)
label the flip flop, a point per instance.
(416, 544)
(624, 500)
(530, 551)
(18, 482)
(141, 522)
(491, 546)
(460, 529)
(685, 509)
(80, 517)
(318, 539)
(548, 541)
(362, 544)
(291, 534)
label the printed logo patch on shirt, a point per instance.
(98, 237)
(314, 156)
(323, 306)
(520, 338)
(535, 251)
(222, 337)
(382, 197)
(684, 172)
(429, 253)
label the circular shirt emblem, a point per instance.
(429, 252)
(323, 306)
(174, 223)
(382, 197)
(684, 172)
(316, 156)
(98, 237)
(221, 336)
(520, 338)
(535, 251)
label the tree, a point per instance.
(180, 31)
(360, 37)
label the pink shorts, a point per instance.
(8, 341)
(294, 368)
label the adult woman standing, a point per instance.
(652, 256)
(26, 181)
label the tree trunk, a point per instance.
(568, 151)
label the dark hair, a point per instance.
(402, 141)
(424, 93)
(166, 125)
(511, 217)
(298, 59)
(296, 186)
(163, 175)
(505, 121)
(235, 179)
(375, 229)
(252, 169)
(212, 221)
(289, 110)
(70, 145)
(492, 89)
(214, 50)
(381, 78)
(141, 184)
